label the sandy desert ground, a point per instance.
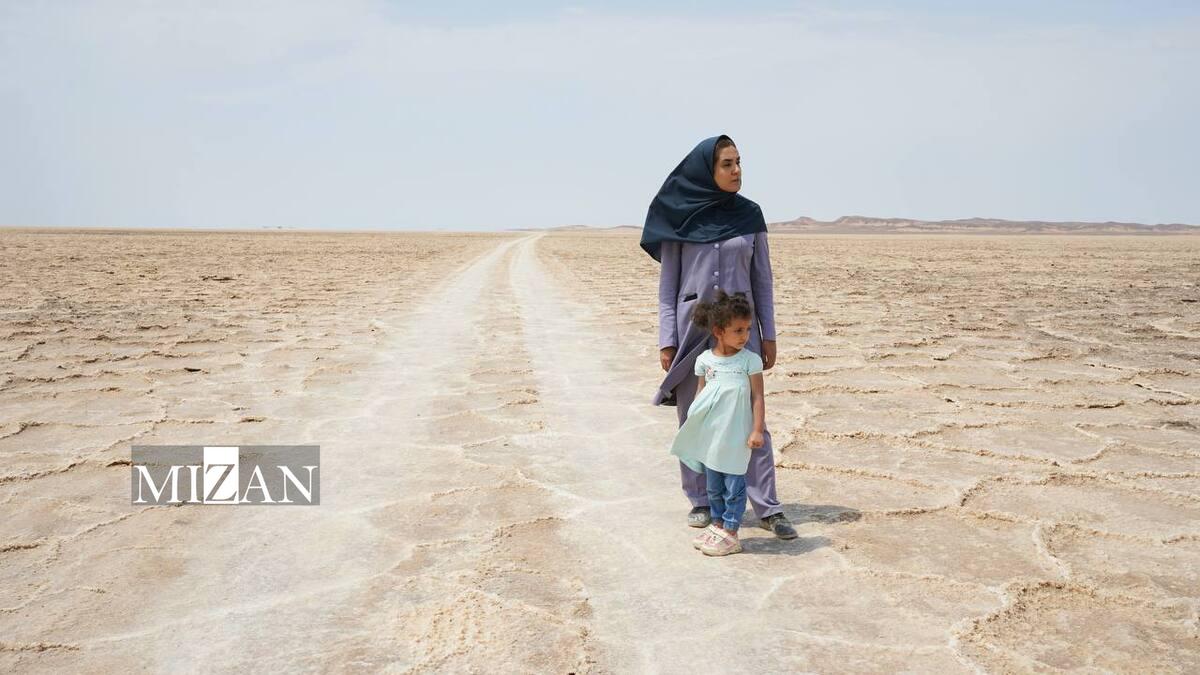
(990, 446)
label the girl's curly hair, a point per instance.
(722, 310)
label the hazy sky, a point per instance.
(486, 115)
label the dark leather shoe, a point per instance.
(699, 516)
(779, 525)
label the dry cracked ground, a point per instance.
(990, 446)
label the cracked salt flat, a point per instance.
(489, 514)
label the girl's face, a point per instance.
(735, 335)
(728, 173)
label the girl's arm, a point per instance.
(758, 405)
(700, 387)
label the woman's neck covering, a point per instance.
(690, 207)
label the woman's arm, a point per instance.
(762, 288)
(668, 291)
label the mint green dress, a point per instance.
(720, 419)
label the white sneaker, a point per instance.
(722, 545)
(701, 539)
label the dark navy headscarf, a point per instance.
(690, 207)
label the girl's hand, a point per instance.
(755, 441)
(665, 356)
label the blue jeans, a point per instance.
(726, 498)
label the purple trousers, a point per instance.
(760, 474)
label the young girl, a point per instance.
(725, 419)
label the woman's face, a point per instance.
(728, 173)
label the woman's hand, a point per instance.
(665, 356)
(768, 355)
(755, 441)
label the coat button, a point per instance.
(716, 274)
(715, 287)
(716, 246)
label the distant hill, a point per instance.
(869, 225)
(561, 228)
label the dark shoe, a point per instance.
(699, 516)
(779, 525)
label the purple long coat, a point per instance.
(692, 273)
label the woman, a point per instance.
(708, 237)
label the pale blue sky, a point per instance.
(484, 115)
